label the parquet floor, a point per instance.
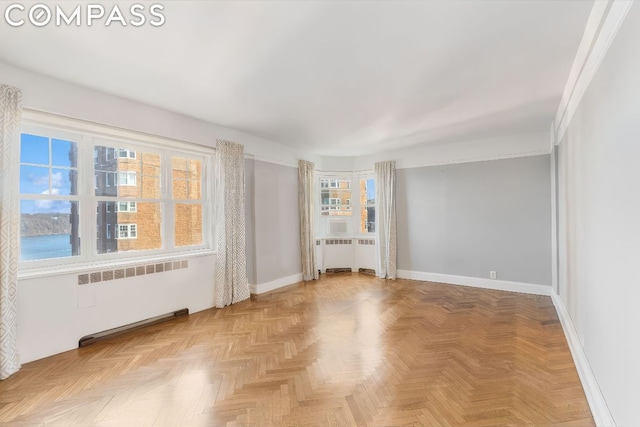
(343, 351)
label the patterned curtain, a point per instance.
(231, 261)
(306, 196)
(386, 219)
(10, 114)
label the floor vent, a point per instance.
(367, 271)
(339, 270)
(338, 242)
(93, 338)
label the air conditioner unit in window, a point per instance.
(339, 226)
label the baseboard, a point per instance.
(261, 288)
(476, 282)
(599, 409)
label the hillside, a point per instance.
(44, 224)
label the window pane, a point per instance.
(151, 187)
(367, 205)
(48, 229)
(180, 191)
(64, 181)
(34, 149)
(188, 224)
(64, 153)
(335, 196)
(194, 190)
(187, 177)
(34, 180)
(137, 228)
(127, 173)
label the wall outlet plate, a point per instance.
(493, 275)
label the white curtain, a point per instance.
(231, 262)
(10, 114)
(306, 196)
(386, 219)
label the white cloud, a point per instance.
(47, 206)
(57, 180)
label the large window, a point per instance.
(148, 199)
(335, 196)
(49, 201)
(340, 197)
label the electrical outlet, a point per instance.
(493, 275)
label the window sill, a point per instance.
(33, 273)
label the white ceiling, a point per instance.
(331, 78)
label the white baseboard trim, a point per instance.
(599, 409)
(476, 282)
(261, 288)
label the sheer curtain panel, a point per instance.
(385, 173)
(10, 114)
(306, 197)
(231, 284)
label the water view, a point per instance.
(44, 247)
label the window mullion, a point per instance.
(168, 211)
(88, 203)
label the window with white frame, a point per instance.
(352, 205)
(367, 204)
(186, 185)
(335, 196)
(124, 153)
(49, 197)
(127, 178)
(127, 231)
(148, 195)
(125, 207)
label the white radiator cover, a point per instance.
(354, 253)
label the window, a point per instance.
(335, 196)
(127, 231)
(110, 179)
(138, 199)
(125, 207)
(49, 202)
(124, 153)
(149, 196)
(352, 206)
(186, 177)
(367, 205)
(127, 178)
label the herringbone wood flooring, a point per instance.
(344, 350)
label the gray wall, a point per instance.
(277, 226)
(600, 227)
(249, 219)
(468, 219)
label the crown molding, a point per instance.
(603, 24)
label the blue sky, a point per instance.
(47, 172)
(371, 188)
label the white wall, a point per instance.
(599, 223)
